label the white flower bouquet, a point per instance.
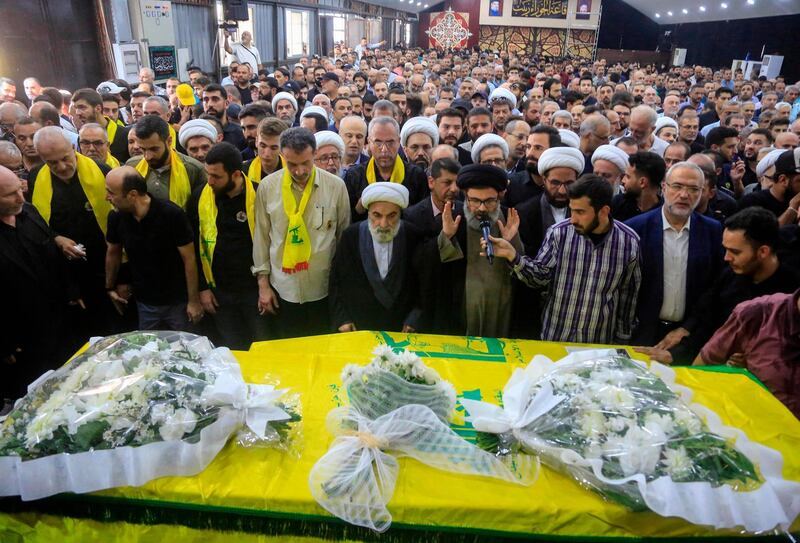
(132, 408)
(399, 407)
(628, 434)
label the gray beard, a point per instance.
(474, 221)
(380, 235)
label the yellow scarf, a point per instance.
(111, 162)
(254, 171)
(398, 172)
(92, 181)
(173, 135)
(207, 211)
(111, 130)
(179, 186)
(297, 246)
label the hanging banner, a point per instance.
(540, 9)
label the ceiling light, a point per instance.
(658, 15)
(419, 3)
(425, 6)
(723, 5)
(685, 11)
(669, 13)
(751, 2)
(702, 8)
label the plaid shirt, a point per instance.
(592, 288)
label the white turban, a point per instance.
(196, 127)
(488, 140)
(768, 161)
(663, 122)
(613, 154)
(561, 157)
(505, 94)
(419, 124)
(326, 137)
(284, 96)
(568, 137)
(394, 193)
(310, 109)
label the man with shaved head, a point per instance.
(34, 279)
(68, 190)
(46, 114)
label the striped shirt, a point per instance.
(592, 288)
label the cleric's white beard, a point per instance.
(383, 235)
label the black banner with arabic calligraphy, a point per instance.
(540, 9)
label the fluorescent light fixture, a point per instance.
(702, 8)
(685, 11)
(723, 5)
(669, 13)
(751, 2)
(658, 15)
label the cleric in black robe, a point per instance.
(372, 283)
(461, 292)
(386, 165)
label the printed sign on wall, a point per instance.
(540, 9)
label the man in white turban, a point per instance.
(490, 149)
(569, 138)
(502, 103)
(610, 163)
(198, 136)
(372, 283)
(329, 153)
(418, 137)
(559, 168)
(284, 104)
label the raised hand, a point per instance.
(510, 229)
(449, 226)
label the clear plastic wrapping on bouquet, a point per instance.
(620, 430)
(169, 399)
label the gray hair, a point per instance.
(298, 139)
(648, 112)
(383, 121)
(685, 166)
(148, 71)
(359, 120)
(382, 105)
(562, 113)
(593, 122)
(9, 151)
(91, 126)
(512, 124)
(781, 105)
(452, 150)
(163, 105)
(50, 133)
(19, 110)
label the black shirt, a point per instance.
(233, 134)
(152, 248)
(72, 216)
(624, 207)
(244, 94)
(233, 253)
(721, 206)
(521, 188)
(789, 250)
(356, 181)
(765, 199)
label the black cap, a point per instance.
(482, 176)
(460, 103)
(273, 83)
(788, 163)
(481, 94)
(330, 76)
(291, 86)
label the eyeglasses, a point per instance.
(678, 187)
(489, 202)
(558, 184)
(499, 162)
(385, 144)
(87, 143)
(329, 158)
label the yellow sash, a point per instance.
(254, 171)
(297, 246)
(111, 130)
(92, 181)
(207, 211)
(398, 172)
(179, 186)
(111, 162)
(173, 135)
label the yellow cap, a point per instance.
(186, 94)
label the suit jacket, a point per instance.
(535, 217)
(703, 267)
(521, 188)
(421, 216)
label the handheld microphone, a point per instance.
(485, 230)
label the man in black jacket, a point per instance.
(427, 214)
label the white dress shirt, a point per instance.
(676, 260)
(383, 255)
(559, 213)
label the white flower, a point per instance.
(664, 422)
(567, 381)
(615, 398)
(614, 377)
(181, 422)
(160, 412)
(593, 424)
(641, 450)
(676, 462)
(619, 424)
(687, 420)
(350, 373)
(383, 353)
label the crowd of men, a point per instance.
(463, 192)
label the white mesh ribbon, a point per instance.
(356, 478)
(651, 405)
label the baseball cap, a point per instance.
(185, 94)
(272, 82)
(788, 163)
(460, 103)
(292, 86)
(330, 76)
(109, 87)
(479, 93)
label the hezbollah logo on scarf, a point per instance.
(398, 171)
(92, 181)
(207, 211)
(179, 186)
(297, 246)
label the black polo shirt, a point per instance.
(152, 248)
(765, 199)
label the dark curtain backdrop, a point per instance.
(714, 43)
